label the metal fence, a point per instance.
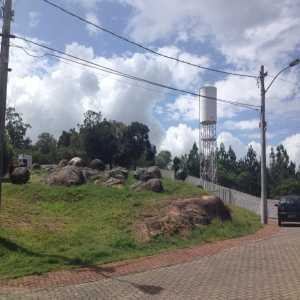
(229, 196)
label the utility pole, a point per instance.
(263, 127)
(7, 18)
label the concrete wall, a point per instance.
(230, 196)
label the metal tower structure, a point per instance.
(208, 133)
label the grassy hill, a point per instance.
(46, 228)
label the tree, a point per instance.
(134, 143)
(45, 149)
(65, 139)
(99, 140)
(8, 155)
(193, 162)
(248, 177)
(91, 119)
(282, 171)
(16, 129)
(176, 164)
(46, 143)
(163, 159)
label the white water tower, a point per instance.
(208, 133)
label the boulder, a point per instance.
(180, 174)
(153, 172)
(63, 163)
(97, 164)
(68, 175)
(118, 173)
(90, 174)
(139, 174)
(20, 175)
(76, 161)
(153, 184)
(113, 182)
(36, 166)
(181, 216)
(144, 174)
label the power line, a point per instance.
(66, 60)
(116, 35)
(116, 72)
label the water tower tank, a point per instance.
(208, 106)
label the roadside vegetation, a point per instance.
(45, 228)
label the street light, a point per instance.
(263, 91)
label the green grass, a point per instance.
(46, 228)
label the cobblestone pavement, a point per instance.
(265, 269)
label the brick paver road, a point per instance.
(266, 269)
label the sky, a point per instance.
(232, 35)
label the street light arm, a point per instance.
(274, 78)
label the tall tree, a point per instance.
(163, 159)
(193, 162)
(46, 143)
(16, 129)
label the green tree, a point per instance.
(45, 149)
(99, 140)
(193, 161)
(163, 159)
(16, 129)
(8, 155)
(248, 177)
(281, 171)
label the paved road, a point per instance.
(266, 269)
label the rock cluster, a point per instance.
(20, 175)
(73, 172)
(181, 216)
(148, 179)
(144, 174)
(97, 164)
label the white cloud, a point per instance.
(53, 95)
(87, 4)
(229, 140)
(242, 125)
(34, 19)
(91, 17)
(243, 32)
(179, 139)
(292, 145)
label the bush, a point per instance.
(290, 186)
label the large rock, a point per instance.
(144, 174)
(118, 173)
(76, 161)
(97, 164)
(139, 174)
(36, 166)
(153, 172)
(153, 184)
(113, 182)
(20, 175)
(63, 163)
(91, 174)
(181, 174)
(69, 175)
(181, 216)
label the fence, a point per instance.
(230, 196)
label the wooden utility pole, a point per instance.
(7, 18)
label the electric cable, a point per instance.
(110, 70)
(116, 35)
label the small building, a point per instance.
(25, 160)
